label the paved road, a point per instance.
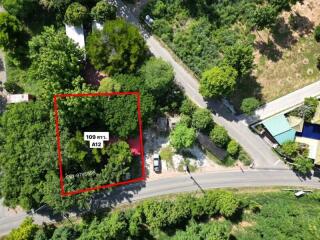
(253, 144)
(285, 103)
(232, 179)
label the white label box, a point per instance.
(96, 138)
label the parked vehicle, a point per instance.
(156, 163)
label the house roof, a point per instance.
(76, 34)
(279, 127)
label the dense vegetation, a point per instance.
(210, 35)
(56, 65)
(217, 214)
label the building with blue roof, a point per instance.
(279, 128)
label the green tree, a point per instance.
(111, 227)
(124, 50)
(218, 82)
(26, 231)
(182, 137)
(219, 136)
(187, 107)
(227, 203)
(290, 149)
(75, 14)
(158, 76)
(310, 108)
(202, 119)
(233, 148)
(57, 5)
(157, 213)
(317, 33)
(240, 57)
(20, 8)
(63, 233)
(103, 11)
(303, 164)
(249, 105)
(212, 230)
(264, 17)
(12, 35)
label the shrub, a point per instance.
(289, 149)
(182, 137)
(201, 119)
(187, 107)
(75, 14)
(186, 120)
(317, 33)
(248, 105)
(233, 148)
(219, 136)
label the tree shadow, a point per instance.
(246, 87)
(301, 24)
(269, 50)
(282, 34)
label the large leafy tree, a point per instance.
(103, 11)
(123, 51)
(202, 119)
(182, 137)
(12, 35)
(240, 57)
(20, 8)
(75, 14)
(158, 76)
(264, 17)
(218, 82)
(220, 136)
(303, 164)
(249, 105)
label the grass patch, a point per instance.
(166, 154)
(186, 162)
(296, 69)
(244, 157)
(227, 161)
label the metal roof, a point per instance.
(279, 127)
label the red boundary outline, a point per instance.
(56, 115)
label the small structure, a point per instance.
(279, 129)
(18, 98)
(296, 123)
(97, 25)
(76, 34)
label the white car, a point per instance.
(156, 163)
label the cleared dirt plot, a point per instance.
(106, 148)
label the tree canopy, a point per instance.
(182, 137)
(218, 82)
(103, 11)
(219, 136)
(75, 14)
(124, 50)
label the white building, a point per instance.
(18, 98)
(76, 34)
